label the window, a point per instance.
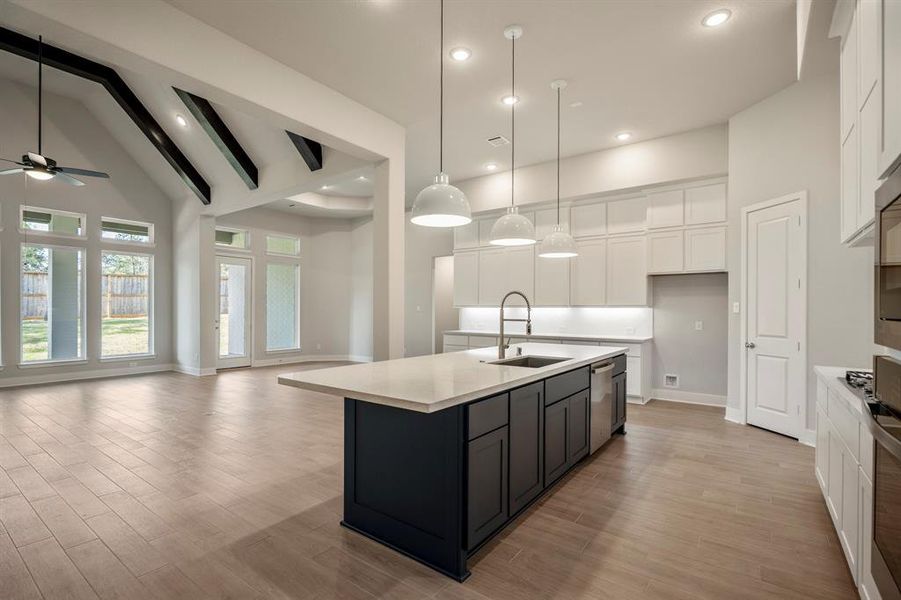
(232, 238)
(56, 222)
(52, 303)
(283, 244)
(118, 230)
(126, 309)
(282, 300)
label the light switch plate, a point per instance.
(736, 307)
(699, 325)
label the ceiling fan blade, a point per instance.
(15, 162)
(11, 171)
(37, 159)
(67, 179)
(84, 172)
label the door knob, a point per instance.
(750, 345)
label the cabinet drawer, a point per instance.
(455, 340)
(487, 415)
(845, 423)
(620, 363)
(559, 387)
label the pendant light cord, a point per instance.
(441, 101)
(40, 87)
(512, 119)
(558, 156)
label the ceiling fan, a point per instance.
(35, 164)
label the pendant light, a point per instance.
(441, 204)
(512, 229)
(558, 244)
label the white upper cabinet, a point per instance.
(868, 174)
(627, 216)
(848, 70)
(705, 204)
(665, 251)
(627, 271)
(503, 270)
(485, 226)
(466, 236)
(665, 209)
(890, 71)
(589, 219)
(588, 274)
(466, 279)
(705, 249)
(869, 54)
(551, 281)
(545, 220)
(850, 153)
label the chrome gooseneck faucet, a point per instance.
(501, 344)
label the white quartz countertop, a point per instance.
(833, 378)
(632, 339)
(438, 381)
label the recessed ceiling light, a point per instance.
(325, 187)
(623, 136)
(362, 178)
(490, 166)
(716, 18)
(181, 120)
(460, 54)
(575, 104)
(510, 100)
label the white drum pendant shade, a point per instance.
(441, 205)
(558, 244)
(512, 229)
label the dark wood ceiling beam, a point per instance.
(219, 132)
(310, 151)
(26, 47)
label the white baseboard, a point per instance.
(808, 437)
(195, 371)
(269, 362)
(669, 395)
(734, 414)
(637, 400)
(81, 375)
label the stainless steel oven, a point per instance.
(886, 428)
(888, 262)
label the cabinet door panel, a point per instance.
(466, 279)
(466, 236)
(627, 268)
(520, 269)
(665, 209)
(589, 219)
(578, 427)
(526, 445)
(633, 368)
(705, 249)
(868, 123)
(848, 67)
(705, 204)
(891, 86)
(870, 63)
(588, 274)
(487, 485)
(618, 414)
(627, 216)
(822, 451)
(834, 498)
(665, 252)
(556, 440)
(850, 186)
(850, 516)
(552, 281)
(492, 276)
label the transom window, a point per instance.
(232, 238)
(285, 245)
(120, 230)
(57, 222)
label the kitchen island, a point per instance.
(442, 451)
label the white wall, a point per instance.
(74, 138)
(360, 332)
(697, 357)
(784, 144)
(694, 154)
(423, 244)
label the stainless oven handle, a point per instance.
(884, 438)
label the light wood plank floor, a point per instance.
(168, 486)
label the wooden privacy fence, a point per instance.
(123, 296)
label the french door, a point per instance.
(234, 318)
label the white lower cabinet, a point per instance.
(850, 531)
(627, 271)
(633, 376)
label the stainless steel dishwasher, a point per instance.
(602, 400)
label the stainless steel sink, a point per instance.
(530, 362)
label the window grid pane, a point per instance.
(124, 231)
(126, 304)
(281, 307)
(52, 221)
(280, 244)
(232, 238)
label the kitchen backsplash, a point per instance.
(612, 321)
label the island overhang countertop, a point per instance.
(435, 382)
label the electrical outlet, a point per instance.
(671, 380)
(699, 325)
(736, 307)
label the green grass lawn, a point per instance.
(120, 336)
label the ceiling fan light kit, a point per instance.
(441, 204)
(512, 229)
(34, 164)
(559, 244)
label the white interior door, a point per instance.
(234, 318)
(776, 298)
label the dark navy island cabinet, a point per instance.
(438, 486)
